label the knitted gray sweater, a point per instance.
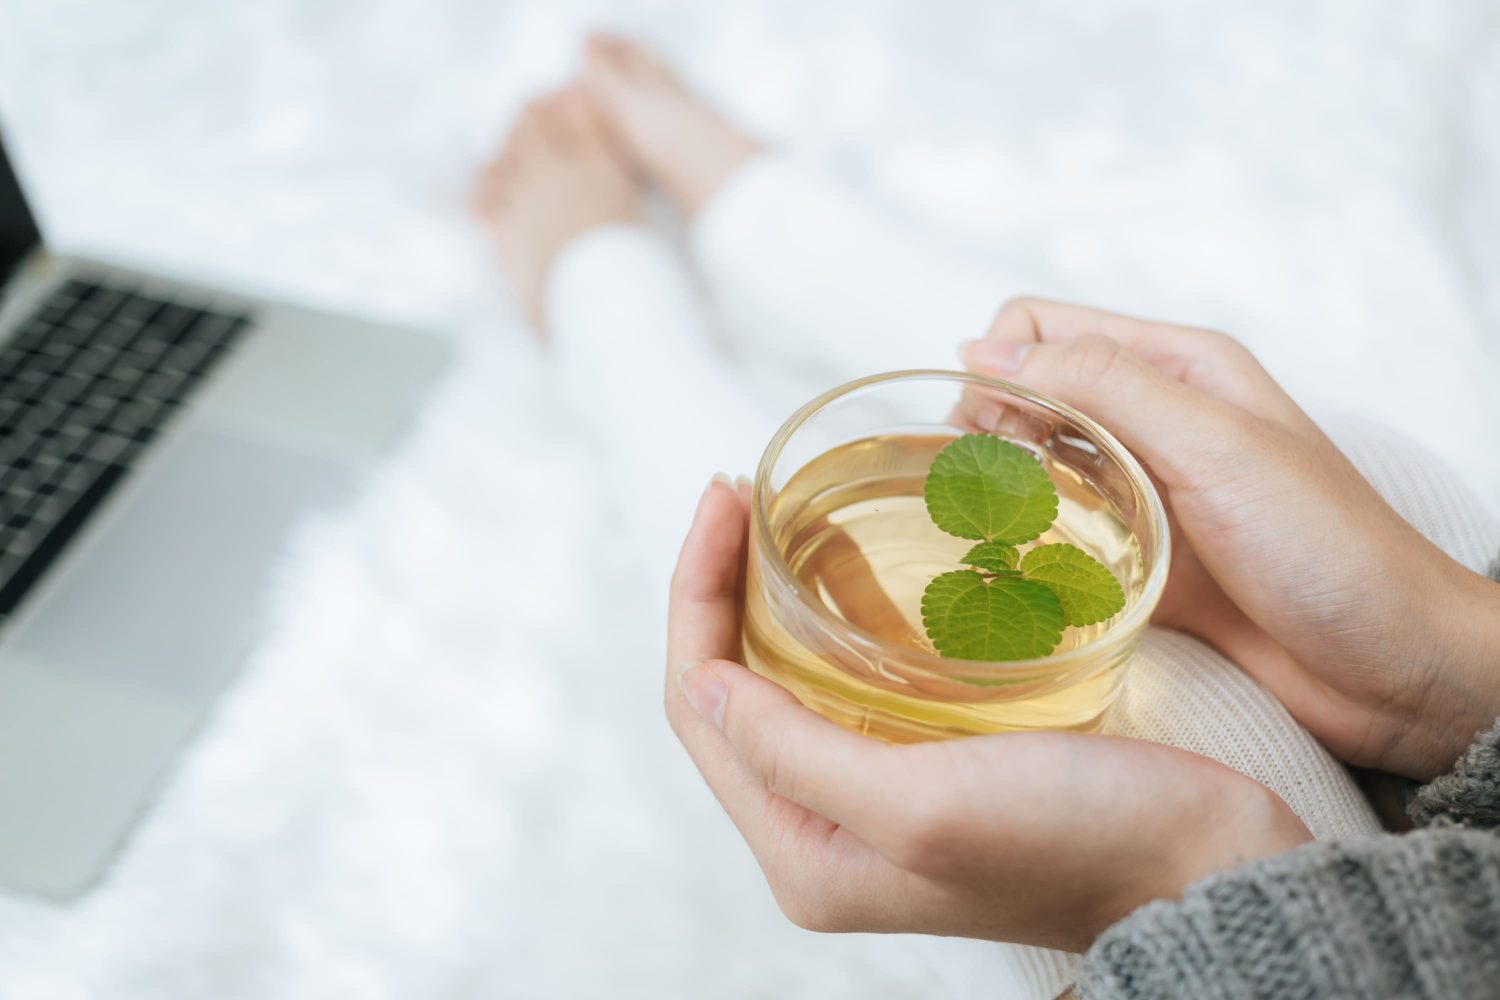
(1410, 916)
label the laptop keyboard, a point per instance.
(86, 383)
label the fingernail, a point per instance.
(718, 477)
(741, 482)
(988, 419)
(705, 692)
(1003, 357)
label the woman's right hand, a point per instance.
(1284, 557)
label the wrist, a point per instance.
(1252, 822)
(1234, 824)
(1460, 689)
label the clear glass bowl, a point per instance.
(837, 496)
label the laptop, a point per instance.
(161, 444)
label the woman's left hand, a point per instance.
(1037, 838)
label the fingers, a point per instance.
(539, 125)
(795, 753)
(1205, 359)
(621, 55)
(703, 614)
(608, 60)
(577, 121)
(823, 877)
(1182, 433)
(703, 625)
(1029, 319)
(745, 725)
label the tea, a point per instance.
(853, 529)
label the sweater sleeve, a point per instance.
(1412, 916)
(1469, 795)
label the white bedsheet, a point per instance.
(446, 773)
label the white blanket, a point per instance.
(446, 773)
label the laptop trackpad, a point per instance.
(171, 592)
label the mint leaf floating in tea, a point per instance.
(1088, 592)
(996, 557)
(1010, 606)
(1005, 618)
(984, 488)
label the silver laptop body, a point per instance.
(151, 478)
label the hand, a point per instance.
(1284, 557)
(1038, 838)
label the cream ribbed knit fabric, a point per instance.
(850, 295)
(1182, 693)
(1421, 488)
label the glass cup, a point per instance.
(839, 533)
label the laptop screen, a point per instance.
(18, 232)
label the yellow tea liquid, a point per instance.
(854, 530)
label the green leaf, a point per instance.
(987, 489)
(1086, 589)
(996, 557)
(1007, 618)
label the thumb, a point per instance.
(1177, 430)
(796, 753)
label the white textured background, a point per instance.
(446, 773)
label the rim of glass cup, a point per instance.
(1134, 620)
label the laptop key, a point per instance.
(86, 383)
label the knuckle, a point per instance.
(760, 752)
(1019, 304)
(1206, 335)
(1092, 359)
(1232, 350)
(1226, 341)
(1226, 350)
(1019, 309)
